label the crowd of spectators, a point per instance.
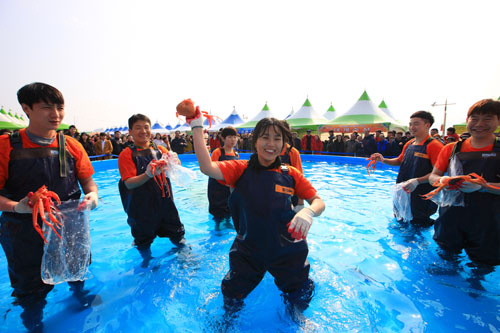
(105, 146)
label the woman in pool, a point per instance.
(271, 236)
(218, 194)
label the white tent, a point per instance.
(386, 110)
(234, 119)
(264, 113)
(362, 115)
(330, 113)
(306, 117)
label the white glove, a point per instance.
(149, 172)
(410, 185)
(197, 120)
(91, 200)
(468, 187)
(298, 208)
(22, 207)
(300, 224)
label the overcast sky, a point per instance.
(112, 59)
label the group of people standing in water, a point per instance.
(264, 196)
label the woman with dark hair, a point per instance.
(87, 144)
(218, 194)
(271, 236)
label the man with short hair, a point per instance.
(178, 143)
(72, 132)
(416, 162)
(35, 157)
(369, 143)
(307, 142)
(103, 147)
(150, 208)
(117, 143)
(450, 131)
(472, 220)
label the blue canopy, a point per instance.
(234, 119)
(157, 126)
(168, 127)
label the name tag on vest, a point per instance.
(285, 190)
(421, 155)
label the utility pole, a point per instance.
(445, 107)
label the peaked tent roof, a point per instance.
(6, 122)
(363, 112)
(158, 128)
(234, 119)
(184, 128)
(330, 113)
(290, 114)
(264, 113)
(386, 110)
(306, 116)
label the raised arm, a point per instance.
(195, 120)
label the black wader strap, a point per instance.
(456, 149)
(63, 166)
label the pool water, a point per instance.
(371, 273)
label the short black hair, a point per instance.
(279, 126)
(39, 92)
(425, 115)
(72, 126)
(451, 129)
(135, 118)
(227, 131)
(485, 106)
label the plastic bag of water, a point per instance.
(67, 258)
(180, 175)
(401, 203)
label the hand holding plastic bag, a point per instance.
(410, 185)
(401, 201)
(175, 171)
(67, 258)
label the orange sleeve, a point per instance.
(443, 159)
(216, 155)
(303, 188)
(83, 166)
(433, 149)
(5, 149)
(400, 157)
(126, 164)
(295, 160)
(232, 170)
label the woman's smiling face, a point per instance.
(269, 145)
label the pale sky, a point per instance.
(112, 59)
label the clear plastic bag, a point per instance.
(401, 201)
(67, 258)
(451, 197)
(177, 173)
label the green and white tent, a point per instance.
(306, 117)
(264, 113)
(362, 115)
(388, 112)
(16, 120)
(6, 122)
(330, 114)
